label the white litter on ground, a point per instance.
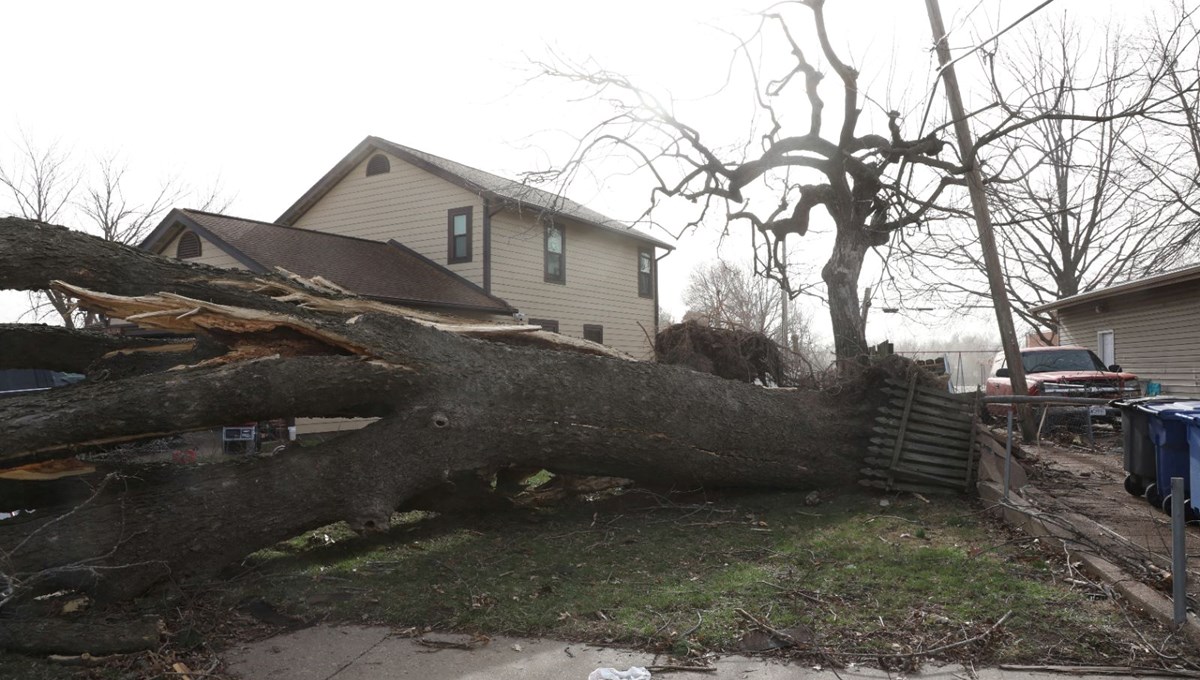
(634, 673)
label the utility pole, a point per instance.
(983, 218)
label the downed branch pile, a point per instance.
(730, 353)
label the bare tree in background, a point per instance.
(46, 186)
(1077, 205)
(775, 182)
(725, 295)
(42, 183)
(1174, 159)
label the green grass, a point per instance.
(643, 571)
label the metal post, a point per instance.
(1008, 454)
(1178, 552)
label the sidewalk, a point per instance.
(372, 653)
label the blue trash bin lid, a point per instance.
(1172, 409)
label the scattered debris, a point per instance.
(633, 673)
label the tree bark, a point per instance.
(449, 404)
(841, 273)
(58, 348)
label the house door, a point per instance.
(1108, 352)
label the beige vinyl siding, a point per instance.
(209, 254)
(601, 285)
(407, 204)
(1156, 334)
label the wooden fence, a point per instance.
(925, 440)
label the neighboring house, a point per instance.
(1150, 327)
(562, 265)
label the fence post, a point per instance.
(1008, 455)
(1178, 552)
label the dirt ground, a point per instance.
(1089, 480)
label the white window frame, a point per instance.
(1110, 360)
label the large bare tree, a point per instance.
(797, 169)
(797, 165)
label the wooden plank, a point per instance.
(957, 456)
(925, 409)
(928, 395)
(912, 383)
(933, 392)
(986, 440)
(952, 482)
(937, 461)
(951, 434)
(957, 425)
(955, 406)
(948, 439)
(953, 476)
(957, 452)
(971, 448)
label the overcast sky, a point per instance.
(265, 97)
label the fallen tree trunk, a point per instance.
(449, 404)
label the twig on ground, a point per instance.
(773, 631)
(926, 652)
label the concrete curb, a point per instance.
(1020, 513)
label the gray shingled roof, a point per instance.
(473, 179)
(387, 271)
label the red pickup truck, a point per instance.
(1064, 371)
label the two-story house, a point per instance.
(386, 218)
(561, 264)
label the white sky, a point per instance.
(267, 96)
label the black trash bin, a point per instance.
(1140, 462)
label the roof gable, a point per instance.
(509, 193)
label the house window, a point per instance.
(593, 332)
(189, 246)
(546, 324)
(1108, 349)
(645, 272)
(458, 230)
(378, 165)
(556, 254)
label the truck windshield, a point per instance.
(1065, 360)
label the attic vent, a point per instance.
(378, 165)
(189, 246)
